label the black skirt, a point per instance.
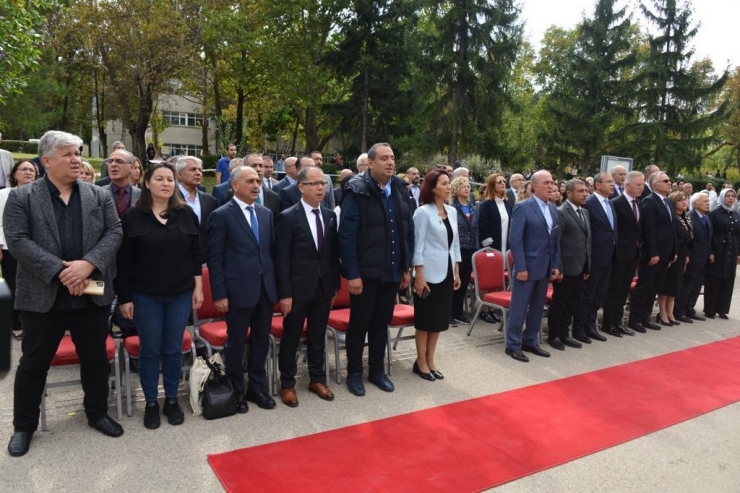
(433, 313)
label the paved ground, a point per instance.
(698, 455)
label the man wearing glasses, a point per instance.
(658, 250)
(119, 170)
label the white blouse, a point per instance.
(504, 224)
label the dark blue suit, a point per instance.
(221, 191)
(537, 251)
(693, 277)
(242, 270)
(603, 247)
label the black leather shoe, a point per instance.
(697, 317)
(582, 338)
(19, 443)
(723, 316)
(487, 317)
(173, 411)
(594, 334)
(675, 322)
(437, 374)
(650, 325)
(611, 330)
(637, 327)
(517, 355)
(570, 342)
(107, 426)
(709, 315)
(536, 350)
(425, 376)
(262, 399)
(684, 319)
(382, 381)
(241, 404)
(625, 331)
(556, 344)
(355, 385)
(661, 322)
(151, 415)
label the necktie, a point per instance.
(634, 211)
(668, 208)
(121, 202)
(580, 215)
(609, 213)
(704, 222)
(255, 224)
(319, 231)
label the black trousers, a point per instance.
(466, 268)
(10, 267)
(592, 298)
(257, 319)
(693, 279)
(317, 313)
(642, 299)
(566, 295)
(370, 313)
(618, 291)
(718, 293)
(42, 334)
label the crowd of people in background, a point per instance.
(147, 233)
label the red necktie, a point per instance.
(121, 202)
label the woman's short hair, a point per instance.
(457, 184)
(13, 181)
(145, 199)
(426, 196)
(491, 186)
(676, 196)
(89, 168)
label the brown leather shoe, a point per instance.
(321, 390)
(289, 397)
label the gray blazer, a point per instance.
(135, 194)
(33, 239)
(575, 240)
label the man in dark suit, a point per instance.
(290, 195)
(699, 254)
(603, 247)
(619, 173)
(575, 258)
(242, 274)
(650, 170)
(222, 192)
(307, 266)
(63, 232)
(189, 171)
(124, 194)
(535, 244)
(658, 250)
(292, 166)
(629, 239)
(515, 181)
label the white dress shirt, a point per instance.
(311, 218)
(243, 206)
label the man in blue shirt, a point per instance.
(222, 167)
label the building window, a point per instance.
(181, 119)
(182, 150)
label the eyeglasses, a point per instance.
(117, 161)
(314, 183)
(500, 182)
(27, 170)
(663, 181)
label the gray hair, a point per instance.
(632, 176)
(697, 196)
(373, 151)
(130, 158)
(570, 185)
(600, 176)
(303, 173)
(461, 171)
(52, 140)
(236, 173)
(515, 176)
(654, 177)
(361, 157)
(182, 163)
(237, 161)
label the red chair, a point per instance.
(488, 268)
(338, 322)
(131, 347)
(67, 355)
(403, 316)
(209, 323)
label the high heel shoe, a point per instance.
(425, 376)
(661, 322)
(674, 322)
(437, 374)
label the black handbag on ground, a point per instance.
(219, 398)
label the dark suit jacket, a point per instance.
(603, 237)
(220, 192)
(238, 265)
(301, 268)
(291, 195)
(208, 204)
(657, 229)
(645, 191)
(510, 195)
(629, 232)
(489, 222)
(702, 245)
(281, 185)
(575, 241)
(535, 250)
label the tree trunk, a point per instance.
(100, 113)
(295, 136)
(239, 119)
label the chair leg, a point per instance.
(127, 363)
(117, 376)
(475, 318)
(396, 341)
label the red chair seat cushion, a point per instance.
(276, 329)
(214, 333)
(339, 319)
(67, 352)
(548, 296)
(500, 298)
(403, 316)
(132, 344)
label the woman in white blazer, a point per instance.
(437, 263)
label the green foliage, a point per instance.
(20, 146)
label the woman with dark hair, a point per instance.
(673, 279)
(158, 282)
(23, 173)
(719, 280)
(437, 264)
(150, 152)
(467, 227)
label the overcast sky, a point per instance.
(717, 37)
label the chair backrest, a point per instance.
(509, 261)
(488, 267)
(208, 310)
(342, 300)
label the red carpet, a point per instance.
(484, 442)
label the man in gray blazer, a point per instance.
(119, 169)
(65, 234)
(575, 261)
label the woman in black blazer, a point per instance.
(683, 232)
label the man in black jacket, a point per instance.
(376, 240)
